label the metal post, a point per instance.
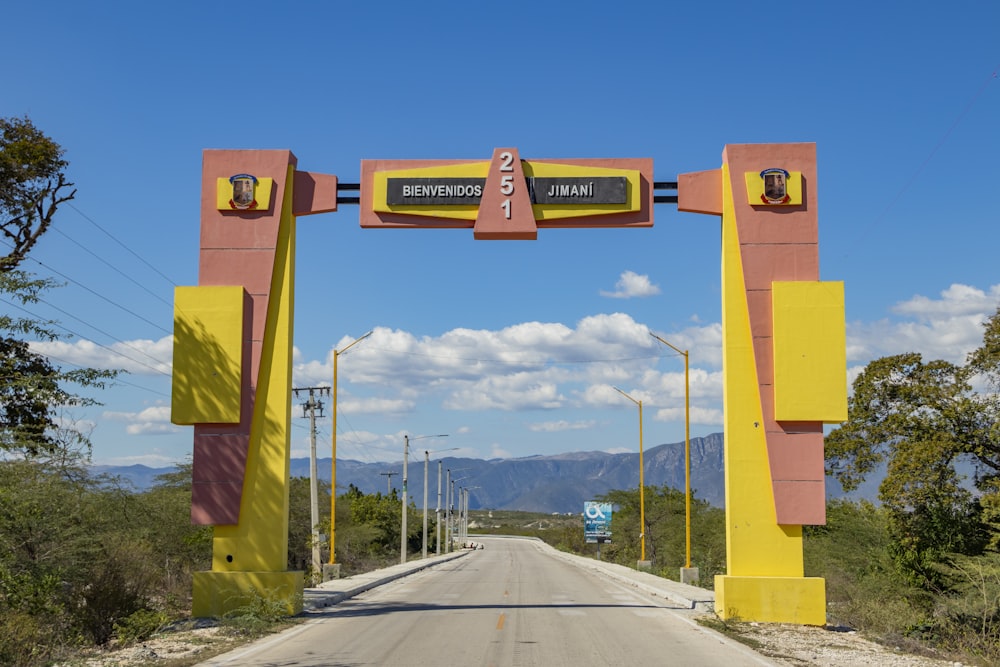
(450, 494)
(423, 549)
(333, 459)
(313, 492)
(402, 533)
(642, 490)
(437, 516)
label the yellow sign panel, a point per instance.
(557, 191)
(810, 351)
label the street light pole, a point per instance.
(447, 512)
(642, 485)
(333, 462)
(403, 528)
(687, 447)
(402, 531)
(437, 515)
(427, 456)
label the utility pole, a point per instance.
(309, 409)
(388, 481)
(402, 535)
(437, 516)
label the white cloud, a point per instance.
(561, 425)
(704, 416)
(139, 357)
(631, 285)
(946, 328)
(153, 420)
(498, 452)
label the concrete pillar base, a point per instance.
(689, 575)
(215, 594)
(331, 571)
(644, 565)
(800, 600)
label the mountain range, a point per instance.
(555, 483)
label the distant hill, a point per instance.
(557, 483)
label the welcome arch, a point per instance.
(784, 346)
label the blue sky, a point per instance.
(511, 348)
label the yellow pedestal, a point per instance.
(800, 600)
(216, 594)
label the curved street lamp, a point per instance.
(642, 483)
(687, 446)
(333, 462)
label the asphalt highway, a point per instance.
(513, 603)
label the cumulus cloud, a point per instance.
(561, 425)
(632, 285)
(948, 328)
(153, 420)
(138, 357)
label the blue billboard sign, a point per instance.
(596, 522)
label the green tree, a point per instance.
(32, 186)
(32, 390)
(921, 420)
(299, 520)
(853, 552)
(666, 532)
(73, 561)
(179, 548)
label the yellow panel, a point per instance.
(755, 189)
(810, 351)
(208, 344)
(262, 194)
(215, 594)
(481, 170)
(800, 600)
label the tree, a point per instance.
(32, 186)
(666, 531)
(32, 389)
(921, 421)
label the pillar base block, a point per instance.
(689, 575)
(215, 594)
(799, 600)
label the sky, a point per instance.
(510, 348)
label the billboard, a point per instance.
(596, 522)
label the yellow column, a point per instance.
(251, 557)
(765, 579)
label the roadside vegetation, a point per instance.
(88, 561)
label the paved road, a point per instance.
(510, 604)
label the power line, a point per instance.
(115, 239)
